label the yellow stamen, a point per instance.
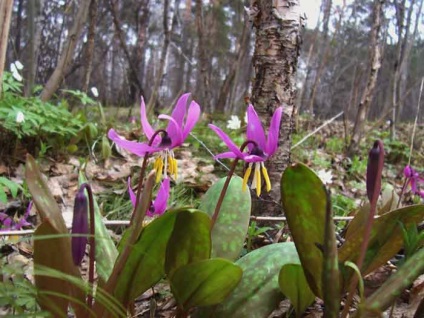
(246, 177)
(158, 166)
(266, 177)
(175, 169)
(258, 179)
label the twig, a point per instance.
(210, 152)
(318, 129)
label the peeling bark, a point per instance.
(278, 25)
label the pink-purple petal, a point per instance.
(254, 130)
(274, 129)
(136, 148)
(178, 114)
(175, 133)
(161, 201)
(225, 155)
(227, 140)
(193, 115)
(254, 158)
(147, 128)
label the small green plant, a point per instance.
(253, 231)
(11, 186)
(413, 239)
(335, 145)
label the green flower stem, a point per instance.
(227, 182)
(367, 232)
(92, 243)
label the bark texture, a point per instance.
(278, 25)
(5, 15)
(67, 53)
(375, 64)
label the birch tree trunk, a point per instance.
(278, 25)
(90, 44)
(5, 15)
(67, 53)
(375, 61)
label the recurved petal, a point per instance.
(147, 128)
(255, 131)
(133, 197)
(137, 148)
(254, 158)
(274, 129)
(193, 115)
(178, 113)
(161, 201)
(225, 155)
(174, 131)
(227, 140)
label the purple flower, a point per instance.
(158, 206)
(413, 179)
(9, 224)
(257, 153)
(174, 135)
(79, 226)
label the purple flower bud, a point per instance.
(374, 170)
(79, 226)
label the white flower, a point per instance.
(19, 65)
(245, 118)
(20, 117)
(234, 122)
(325, 176)
(95, 92)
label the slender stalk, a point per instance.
(227, 183)
(367, 232)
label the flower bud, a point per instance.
(374, 169)
(79, 226)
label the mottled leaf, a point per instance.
(190, 240)
(230, 229)
(294, 286)
(304, 203)
(204, 283)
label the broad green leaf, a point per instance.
(145, 265)
(204, 283)
(393, 287)
(294, 286)
(106, 252)
(230, 229)
(385, 240)
(258, 293)
(190, 240)
(304, 203)
(12, 186)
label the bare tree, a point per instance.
(90, 44)
(375, 64)
(66, 56)
(5, 15)
(278, 25)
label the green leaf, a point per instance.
(385, 239)
(304, 203)
(146, 264)
(230, 229)
(258, 293)
(294, 286)
(190, 240)
(204, 283)
(106, 251)
(12, 186)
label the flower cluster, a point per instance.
(9, 223)
(413, 179)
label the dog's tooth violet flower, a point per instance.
(158, 206)
(180, 124)
(260, 147)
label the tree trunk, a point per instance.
(375, 61)
(90, 44)
(5, 16)
(34, 29)
(163, 56)
(66, 56)
(18, 29)
(278, 27)
(203, 68)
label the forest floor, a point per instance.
(323, 152)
